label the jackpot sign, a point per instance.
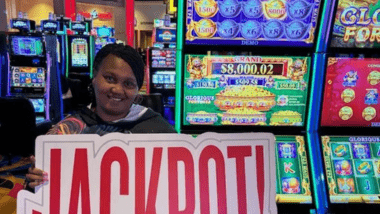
(155, 173)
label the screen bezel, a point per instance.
(341, 130)
(274, 47)
(292, 130)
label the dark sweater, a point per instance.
(87, 122)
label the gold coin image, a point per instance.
(369, 113)
(205, 28)
(345, 113)
(374, 78)
(206, 8)
(348, 95)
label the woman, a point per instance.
(118, 76)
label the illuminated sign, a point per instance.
(48, 25)
(20, 24)
(78, 26)
(357, 25)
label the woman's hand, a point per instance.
(35, 176)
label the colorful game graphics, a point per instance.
(252, 22)
(352, 168)
(79, 52)
(27, 46)
(163, 58)
(356, 24)
(242, 90)
(293, 182)
(351, 96)
(28, 77)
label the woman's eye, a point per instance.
(130, 84)
(109, 78)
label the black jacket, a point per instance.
(87, 122)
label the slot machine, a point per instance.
(247, 66)
(50, 27)
(104, 35)
(80, 53)
(29, 67)
(349, 119)
(162, 74)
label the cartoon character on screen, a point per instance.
(195, 67)
(350, 79)
(298, 69)
(270, 82)
(371, 98)
(223, 81)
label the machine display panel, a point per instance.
(352, 167)
(39, 105)
(166, 35)
(351, 95)
(105, 31)
(32, 77)
(79, 52)
(293, 180)
(163, 58)
(163, 80)
(245, 90)
(252, 22)
(27, 46)
(356, 25)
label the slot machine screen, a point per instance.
(293, 180)
(27, 46)
(79, 52)
(163, 80)
(163, 58)
(39, 105)
(351, 95)
(356, 25)
(352, 165)
(104, 32)
(245, 90)
(252, 22)
(28, 77)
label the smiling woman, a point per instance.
(118, 77)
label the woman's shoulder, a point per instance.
(153, 122)
(72, 124)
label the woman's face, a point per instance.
(115, 88)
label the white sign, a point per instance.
(154, 173)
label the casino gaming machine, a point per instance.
(104, 35)
(262, 85)
(29, 70)
(162, 64)
(80, 53)
(350, 111)
(50, 28)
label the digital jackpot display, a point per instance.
(357, 24)
(245, 90)
(252, 22)
(353, 168)
(166, 35)
(79, 52)
(293, 181)
(351, 95)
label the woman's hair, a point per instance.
(125, 52)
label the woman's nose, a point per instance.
(117, 89)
